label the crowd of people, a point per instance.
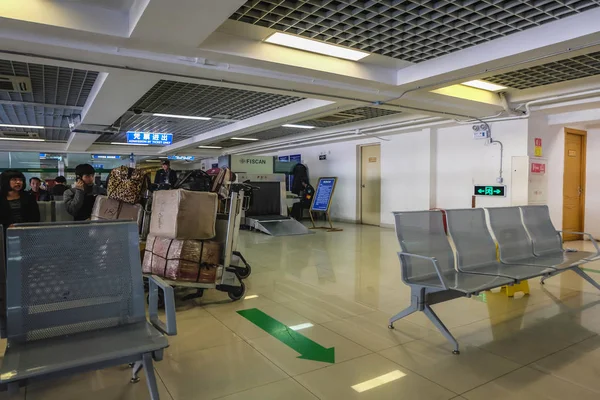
(18, 205)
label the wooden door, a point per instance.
(371, 185)
(574, 183)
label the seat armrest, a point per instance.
(170, 327)
(589, 236)
(433, 260)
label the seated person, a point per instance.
(16, 205)
(60, 186)
(306, 200)
(80, 199)
(36, 190)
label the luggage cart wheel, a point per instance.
(456, 352)
(390, 326)
(243, 273)
(237, 293)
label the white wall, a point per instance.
(592, 198)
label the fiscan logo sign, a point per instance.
(254, 161)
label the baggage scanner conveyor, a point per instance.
(268, 212)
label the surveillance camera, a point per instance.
(138, 111)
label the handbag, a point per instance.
(127, 184)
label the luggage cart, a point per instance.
(229, 276)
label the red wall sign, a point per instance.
(538, 141)
(538, 168)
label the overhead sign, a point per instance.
(251, 164)
(44, 156)
(296, 158)
(181, 158)
(105, 157)
(149, 138)
(490, 191)
(324, 193)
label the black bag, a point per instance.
(195, 180)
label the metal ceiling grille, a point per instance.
(560, 71)
(360, 114)
(413, 31)
(56, 93)
(225, 105)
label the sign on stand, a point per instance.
(322, 202)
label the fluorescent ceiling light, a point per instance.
(181, 116)
(209, 147)
(23, 139)
(21, 126)
(298, 126)
(380, 380)
(300, 43)
(492, 87)
(252, 296)
(129, 144)
(301, 326)
(244, 138)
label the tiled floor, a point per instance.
(342, 287)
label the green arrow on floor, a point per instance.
(308, 349)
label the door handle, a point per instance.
(579, 191)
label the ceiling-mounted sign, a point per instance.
(181, 158)
(105, 157)
(490, 190)
(149, 138)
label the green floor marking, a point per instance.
(308, 349)
(591, 270)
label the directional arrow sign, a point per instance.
(480, 191)
(308, 349)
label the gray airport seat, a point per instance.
(46, 211)
(515, 244)
(61, 213)
(476, 249)
(76, 303)
(427, 263)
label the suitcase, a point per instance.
(183, 214)
(221, 181)
(182, 260)
(111, 209)
(127, 184)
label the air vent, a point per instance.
(337, 118)
(19, 135)
(19, 84)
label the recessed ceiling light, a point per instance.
(209, 147)
(21, 126)
(380, 380)
(128, 144)
(181, 116)
(244, 138)
(300, 43)
(298, 126)
(23, 139)
(479, 84)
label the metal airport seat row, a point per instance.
(75, 302)
(527, 243)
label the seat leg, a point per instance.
(150, 377)
(137, 367)
(442, 328)
(585, 276)
(405, 313)
(13, 388)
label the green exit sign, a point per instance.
(495, 191)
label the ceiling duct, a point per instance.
(337, 118)
(20, 84)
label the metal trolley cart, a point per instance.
(229, 277)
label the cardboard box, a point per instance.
(183, 214)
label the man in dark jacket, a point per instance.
(16, 205)
(306, 199)
(80, 199)
(37, 192)
(60, 187)
(165, 176)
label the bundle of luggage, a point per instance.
(125, 188)
(179, 246)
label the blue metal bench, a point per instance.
(75, 302)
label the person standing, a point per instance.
(60, 186)
(80, 199)
(165, 176)
(16, 205)
(36, 190)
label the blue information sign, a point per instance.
(105, 157)
(323, 194)
(284, 158)
(181, 158)
(296, 158)
(98, 166)
(149, 138)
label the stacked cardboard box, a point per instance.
(179, 245)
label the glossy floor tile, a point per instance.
(338, 290)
